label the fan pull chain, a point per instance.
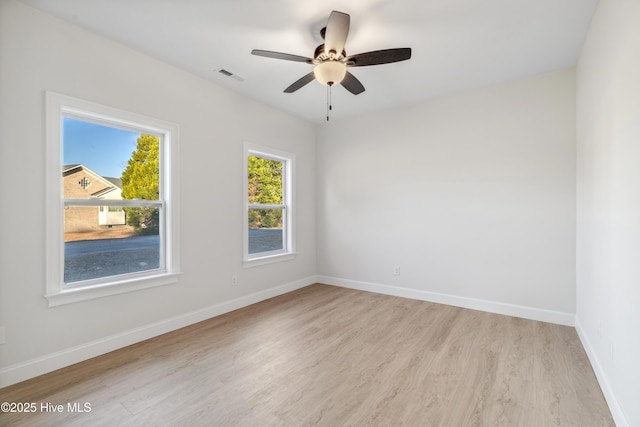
(329, 101)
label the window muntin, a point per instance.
(120, 255)
(268, 205)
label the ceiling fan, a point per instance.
(331, 60)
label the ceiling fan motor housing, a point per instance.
(320, 55)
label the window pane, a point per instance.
(109, 163)
(93, 251)
(265, 230)
(265, 181)
(104, 162)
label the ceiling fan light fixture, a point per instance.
(330, 72)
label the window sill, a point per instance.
(73, 295)
(270, 259)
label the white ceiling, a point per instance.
(457, 45)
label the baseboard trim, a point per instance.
(616, 411)
(532, 313)
(32, 368)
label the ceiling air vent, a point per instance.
(228, 73)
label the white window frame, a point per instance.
(57, 293)
(289, 231)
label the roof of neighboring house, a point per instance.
(115, 181)
(68, 168)
(104, 191)
(112, 183)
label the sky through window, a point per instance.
(103, 149)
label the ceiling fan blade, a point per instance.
(300, 83)
(336, 33)
(352, 84)
(378, 57)
(278, 55)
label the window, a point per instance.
(112, 205)
(269, 211)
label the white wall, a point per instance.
(39, 53)
(608, 213)
(473, 196)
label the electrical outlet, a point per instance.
(1, 334)
(234, 280)
(396, 270)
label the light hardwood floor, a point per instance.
(329, 356)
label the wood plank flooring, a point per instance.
(327, 356)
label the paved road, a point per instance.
(265, 239)
(92, 259)
(82, 247)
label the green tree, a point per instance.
(141, 180)
(265, 187)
